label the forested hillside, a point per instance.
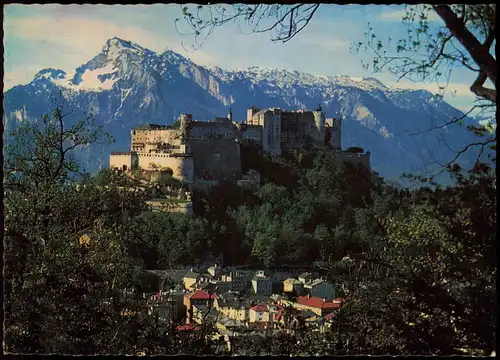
(423, 281)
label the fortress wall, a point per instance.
(182, 167)
(163, 205)
(210, 130)
(252, 133)
(251, 112)
(334, 128)
(271, 132)
(335, 139)
(204, 185)
(295, 127)
(149, 147)
(119, 160)
(307, 125)
(216, 159)
(167, 136)
(295, 143)
(319, 122)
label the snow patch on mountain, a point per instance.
(364, 115)
(19, 115)
(91, 80)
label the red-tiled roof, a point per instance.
(261, 325)
(318, 303)
(259, 308)
(200, 295)
(329, 316)
(188, 327)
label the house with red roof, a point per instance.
(259, 313)
(198, 298)
(188, 327)
(317, 305)
(264, 313)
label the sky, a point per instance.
(67, 36)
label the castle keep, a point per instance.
(203, 153)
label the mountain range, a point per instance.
(126, 85)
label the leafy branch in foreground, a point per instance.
(429, 52)
(41, 152)
(63, 294)
(284, 21)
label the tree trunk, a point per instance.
(479, 53)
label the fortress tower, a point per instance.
(250, 113)
(335, 133)
(319, 122)
(186, 124)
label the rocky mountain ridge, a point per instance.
(126, 85)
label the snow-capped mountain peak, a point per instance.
(128, 85)
(115, 47)
(118, 58)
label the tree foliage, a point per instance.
(61, 294)
(284, 21)
(463, 37)
(416, 268)
(433, 266)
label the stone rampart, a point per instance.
(216, 159)
(181, 166)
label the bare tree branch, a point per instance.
(454, 120)
(448, 165)
(479, 53)
(288, 21)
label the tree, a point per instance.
(166, 240)
(63, 294)
(433, 266)
(355, 149)
(289, 19)
(430, 53)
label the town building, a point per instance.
(203, 314)
(198, 299)
(215, 271)
(305, 277)
(320, 289)
(190, 278)
(240, 280)
(264, 313)
(316, 305)
(292, 285)
(262, 285)
(231, 306)
(169, 306)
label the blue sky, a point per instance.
(67, 36)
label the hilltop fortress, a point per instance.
(200, 154)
